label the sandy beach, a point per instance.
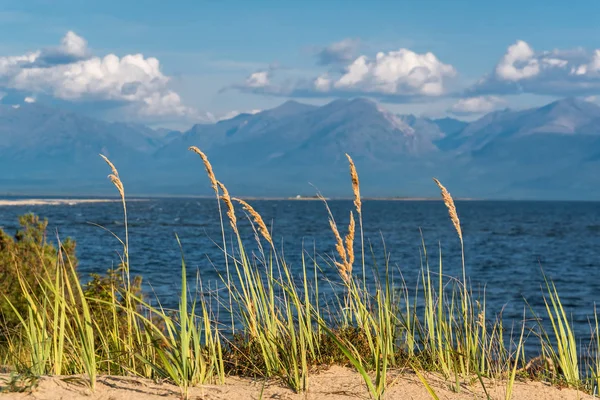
(335, 383)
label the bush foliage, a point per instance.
(30, 254)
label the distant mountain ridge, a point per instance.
(550, 152)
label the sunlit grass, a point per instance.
(281, 325)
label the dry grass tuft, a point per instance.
(208, 167)
(449, 202)
(355, 185)
(230, 210)
(257, 219)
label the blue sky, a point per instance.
(205, 60)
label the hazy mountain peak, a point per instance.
(289, 108)
(572, 105)
(297, 143)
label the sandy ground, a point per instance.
(336, 383)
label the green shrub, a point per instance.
(31, 255)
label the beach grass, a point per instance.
(284, 325)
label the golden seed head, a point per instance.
(481, 319)
(118, 184)
(114, 177)
(355, 185)
(344, 266)
(111, 165)
(350, 241)
(449, 202)
(207, 166)
(257, 219)
(339, 246)
(343, 271)
(230, 210)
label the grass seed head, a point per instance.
(230, 210)
(118, 184)
(350, 241)
(114, 177)
(257, 219)
(111, 165)
(355, 185)
(343, 266)
(449, 202)
(208, 167)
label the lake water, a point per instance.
(506, 243)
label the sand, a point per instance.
(336, 383)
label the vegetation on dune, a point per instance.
(281, 324)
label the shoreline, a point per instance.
(73, 201)
(57, 202)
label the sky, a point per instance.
(177, 63)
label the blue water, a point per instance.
(506, 243)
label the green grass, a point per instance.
(282, 326)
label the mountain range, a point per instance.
(550, 152)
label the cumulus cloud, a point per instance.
(571, 72)
(395, 75)
(258, 79)
(29, 99)
(70, 72)
(518, 63)
(477, 105)
(322, 83)
(397, 72)
(338, 52)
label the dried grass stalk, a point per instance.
(350, 241)
(114, 177)
(110, 164)
(230, 210)
(118, 184)
(344, 268)
(355, 185)
(449, 202)
(208, 167)
(257, 219)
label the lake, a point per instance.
(506, 243)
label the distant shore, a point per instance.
(53, 202)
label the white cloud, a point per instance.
(395, 75)
(258, 79)
(29, 99)
(74, 45)
(401, 72)
(338, 52)
(477, 105)
(559, 72)
(69, 72)
(12, 65)
(519, 62)
(322, 83)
